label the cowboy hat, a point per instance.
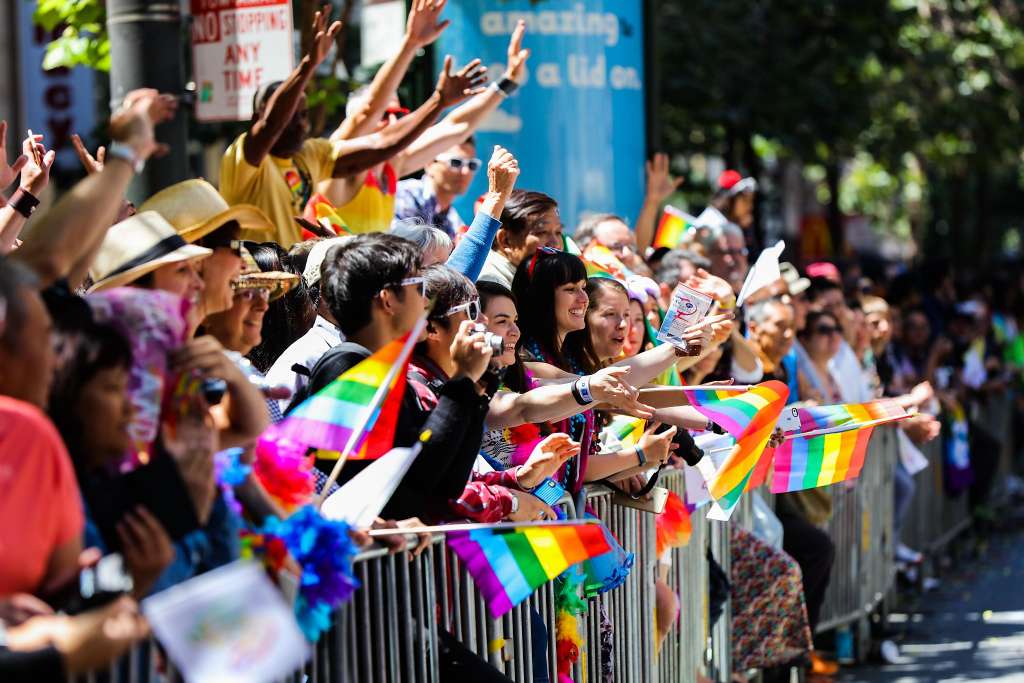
(278, 282)
(139, 245)
(195, 209)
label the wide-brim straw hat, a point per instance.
(195, 209)
(139, 245)
(277, 281)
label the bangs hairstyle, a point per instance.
(580, 344)
(551, 270)
(488, 290)
(446, 287)
(92, 349)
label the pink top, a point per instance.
(40, 505)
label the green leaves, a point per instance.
(83, 42)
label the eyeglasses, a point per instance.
(456, 163)
(253, 293)
(827, 330)
(536, 255)
(421, 281)
(471, 307)
(741, 251)
(622, 246)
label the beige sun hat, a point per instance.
(277, 281)
(195, 209)
(311, 273)
(139, 245)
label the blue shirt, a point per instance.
(415, 198)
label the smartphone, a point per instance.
(549, 491)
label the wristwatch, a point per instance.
(124, 152)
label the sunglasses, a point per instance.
(536, 255)
(471, 307)
(421, 281)
(253, 293)
(826, 330)
(458, 163)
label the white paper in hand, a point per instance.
(228, 625)
(765, 272)
(359, 502)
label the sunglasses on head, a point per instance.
(471, 307)
(458, 163)
(536, 255)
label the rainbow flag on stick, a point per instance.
(672, 227)
(835, 453)
(627, 429)
(750, 417)
(509, 562)
(355, 414)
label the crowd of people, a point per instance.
(241, 301)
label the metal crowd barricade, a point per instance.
(861, 531)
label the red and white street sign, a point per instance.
(238, 46)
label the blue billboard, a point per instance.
(577, 123)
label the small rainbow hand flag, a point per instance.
(358, 411)
(320, 210)
(831, 445)
(672, 227)
(672, 525)
(750, 417)
(627, 430)
(602, 260)
(508, 563)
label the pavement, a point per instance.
(970, 629)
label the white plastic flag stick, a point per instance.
(360, 501)
(378, 398)
(765, 272)
(848, 427)
(473, 526)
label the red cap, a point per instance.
(826, 270)
(728, 178)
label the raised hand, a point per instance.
(657, 447)
(610, 386)
(323, 36)
(8, 172)
(660, 183)
(422, 27)
(468, 81)
(140, 113)
(89, 162)
(517, 56)
(547, 457)
(146, 548)
(35, 174)
(502, 172)
(712, 285)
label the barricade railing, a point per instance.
(392, 628)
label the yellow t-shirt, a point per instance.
(373, 207)
(281, 187)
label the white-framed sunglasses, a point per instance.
(409, 281)
(458, 163)
(471, 307)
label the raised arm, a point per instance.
(660, 186)
(281, 106)
(361, 154)
(83, 215)
(35, 175)
(461, 123)
(421, 29)
(471, 252)
(8, 172)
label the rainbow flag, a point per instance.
(750, 417)
(824, 417)
(672, 525)
(603, 258)
(594, 270)
(328, 419)
(320, 210)
(672, 228)
(569, 246)
(627, 430)
(807, 463)
(508, 563)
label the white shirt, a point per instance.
(498, 269)
(849, 376)
(305, 352)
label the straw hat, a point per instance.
(278, 282)
(195, 209)
(311, 273)
(139, 245)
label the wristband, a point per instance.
(584, 388)
(493, 87)
(641, 458)
(23, 201)
(574, 388)
(507, 86)
(124, 152)
(515, 504)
